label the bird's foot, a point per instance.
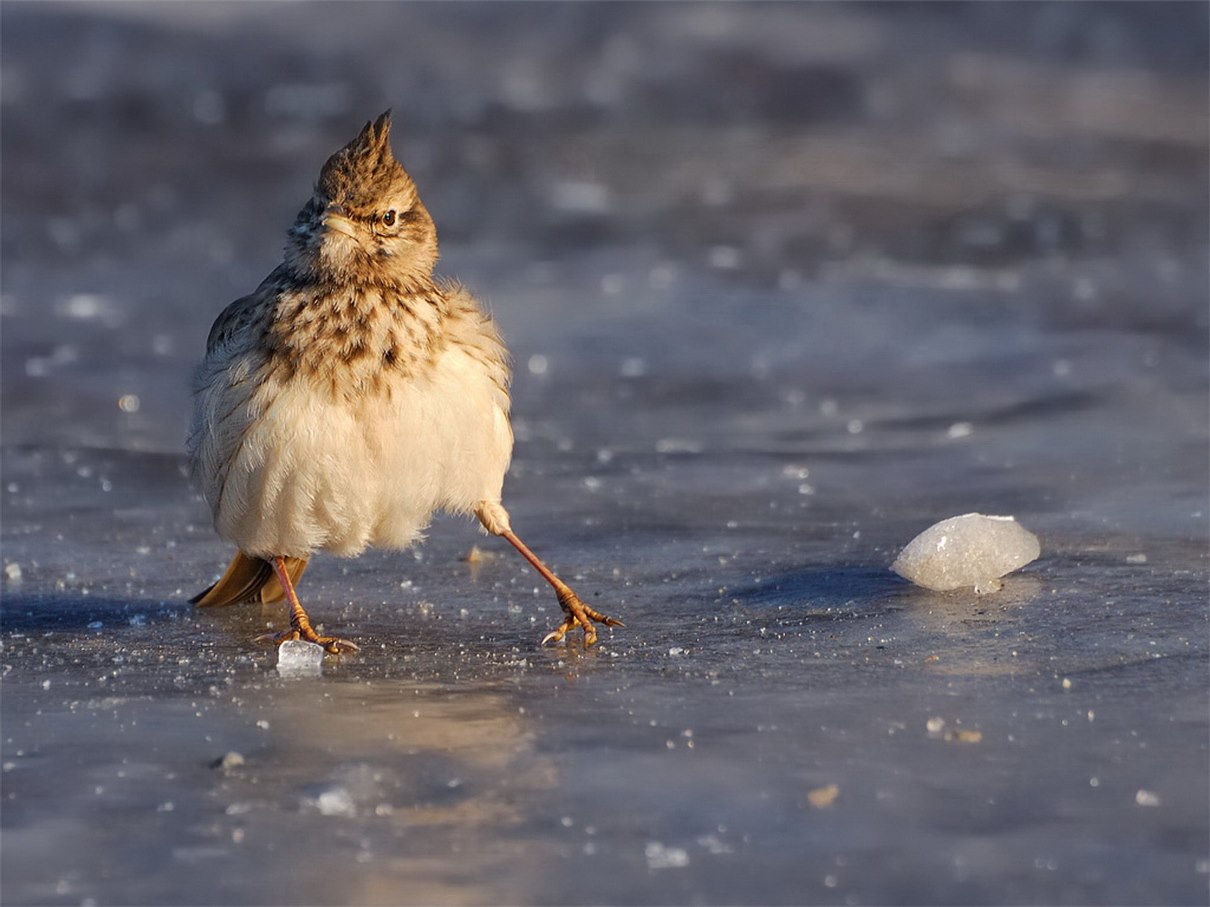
(578, 614)
(331, 644)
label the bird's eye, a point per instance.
(389, 218)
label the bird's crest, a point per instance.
(365, 171)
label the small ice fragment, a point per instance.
(1146, 798)
(228, 761)
(12, 572)
(935, 726)
(969, 551)
(714, 844)
(85, 306)
(299, 658)
(336, 801)
(475, 556)
(1139, 558)
(660, 856)
(823, 797)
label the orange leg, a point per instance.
(575, 610)
(300, 624)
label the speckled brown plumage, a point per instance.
(352, 395)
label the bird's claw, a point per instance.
(558, 634)
(578, 614)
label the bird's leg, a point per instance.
(495, 519)
(300, 624)
(576, 611)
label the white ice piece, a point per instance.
(1146, 798)
(299, 658)
(660, 856)
(335, 801)
(967, 551)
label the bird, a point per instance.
(351, 396)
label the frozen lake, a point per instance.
(785, 284)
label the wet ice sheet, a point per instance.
(759, 343)
(673, 764)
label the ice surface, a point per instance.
(968, 551)
(297, 657)
(857, 266)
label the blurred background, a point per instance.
(1046, 157)
(785, 283)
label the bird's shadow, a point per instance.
(851, 589)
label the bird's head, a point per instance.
(364, 223)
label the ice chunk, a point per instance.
(1146, 798)
(336, 801)
(228, 761)
(660, 856)
(969, 551)
(299, 658)
(823, 797)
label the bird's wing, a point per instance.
(243, 313)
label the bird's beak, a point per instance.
(336, 221)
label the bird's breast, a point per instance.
(352, 341)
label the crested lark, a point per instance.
(352, 395)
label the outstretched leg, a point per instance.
(300, 624)
(494, 518)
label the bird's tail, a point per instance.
(250, 579)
